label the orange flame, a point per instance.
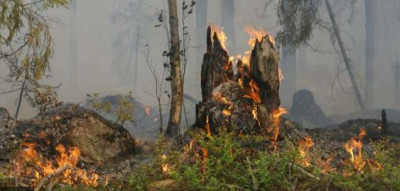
(146, 109)
(351, 145)
(220, 34)
(226, 112)
(43, 167)
(208, 130)
(223, 100)
(165, 166)
(304, 146)
(253, 92)
(255, 34)
(276, 114)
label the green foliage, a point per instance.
(298, 19)
(27, 46)
(97, 105)
(124, 109)
(25, 36)
(238, 163)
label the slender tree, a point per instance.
(175, 72)
(345, 57)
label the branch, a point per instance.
(305, 172)
(50, 176)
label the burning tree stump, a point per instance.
(246, 101)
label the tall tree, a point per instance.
(298, 24)
(175, 72)
(370, 52)
(346, 59)
(229, 23)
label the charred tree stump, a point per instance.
(216, 60)
(245, 101)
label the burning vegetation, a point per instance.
(239, 142)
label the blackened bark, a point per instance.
(175, 68)
(264, 69)
(226, 97)
(216, 68)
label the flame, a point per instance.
(208, 130)
(146, 109)
(253, 92)
(33, 164)
(304, 146)
(350, 146)
(203, 159)
(165, 166)
(276, 114)
(255, 34)
(280, 73)
(220, 34)
(254, 112)
(226, 112)
(325, 165)
(218, 96)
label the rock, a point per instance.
(98, 139)
(4, 117)
(304, 110)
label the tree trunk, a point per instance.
(21, 93)
(175, 68)
(229, 24)
(345, 57)
(370, 44)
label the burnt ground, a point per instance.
(109, 149)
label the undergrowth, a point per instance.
(229, 162)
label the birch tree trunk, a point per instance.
(175, 72)
(345, 57)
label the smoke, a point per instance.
(91, 57)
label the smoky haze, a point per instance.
(96, 51)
